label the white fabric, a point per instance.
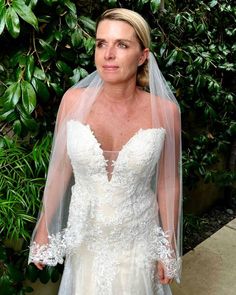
(77, 158)
(120, 238)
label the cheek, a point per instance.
(131, 63)
(98, 56)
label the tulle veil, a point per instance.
(48, 243)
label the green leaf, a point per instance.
(172, 57)
(41, 89)
(13, 94)
(141, 3)
(70, 5)
(89, 45)
(32, 273)
(209, 112)
(28, 96)
(76, 76)
(25, 12)
(71, 20)
(47, 47)
(58, 35)
(76, 37)
(83, 73)
(55, 275)
(213, 3)
(48, 2)
(2, 4)
(15, 273)
(39, 74)
(8, 116)
(12, 22)
(2, 18)
(30, 123)
(162, 49)
(6, 285)
(154, 5)
(44, 276)
(232, 129)
(32, 3)
(112, 2)
(17, 127)
(57, 88)
(88, 23)
(45, 56)
(29, 67)
(63, 67)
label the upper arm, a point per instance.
(67, 105)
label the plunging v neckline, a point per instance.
(120, 152)
(110, 175)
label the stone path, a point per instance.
(210, 269)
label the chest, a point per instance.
(113, 126)
(136, 159)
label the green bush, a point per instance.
(47, 46)
(22, 178)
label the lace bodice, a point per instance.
(112, 207)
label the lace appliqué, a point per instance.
(160, 249)
(49, 254)
(111, 217)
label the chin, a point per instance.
(111, 78)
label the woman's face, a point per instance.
(118, 52)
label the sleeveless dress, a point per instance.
(113, 235)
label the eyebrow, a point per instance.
(117, 40)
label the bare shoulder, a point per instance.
(71, 96)
(166, 104)
(169, 105)
(69, 100)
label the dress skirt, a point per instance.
(110, 273)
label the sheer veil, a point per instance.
(50, 242)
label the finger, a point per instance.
(166, 281)
(39, 265)
(160, 272)
(161, 275)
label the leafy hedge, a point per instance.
(47, 46)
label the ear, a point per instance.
(144, 56)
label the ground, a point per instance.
(199, 228)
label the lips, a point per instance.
(110, 67)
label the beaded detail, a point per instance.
(110, 216)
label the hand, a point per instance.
(39, 265)
(163, 279)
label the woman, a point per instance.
(112, 197)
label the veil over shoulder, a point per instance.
(50, 241)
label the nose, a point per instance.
(110, 53)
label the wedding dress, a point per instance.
(113, 237)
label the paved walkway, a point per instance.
(210, 269)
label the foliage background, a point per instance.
(47, 46)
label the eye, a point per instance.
(100, 44)
(122, 45)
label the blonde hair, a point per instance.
(141, 29)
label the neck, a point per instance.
(120, 93)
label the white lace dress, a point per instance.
(113, 238)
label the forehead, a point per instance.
(115, 29)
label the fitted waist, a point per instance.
(113, 207)
(102, 193)
(100, 218)
(98, 235)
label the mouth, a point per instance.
(110, 67)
